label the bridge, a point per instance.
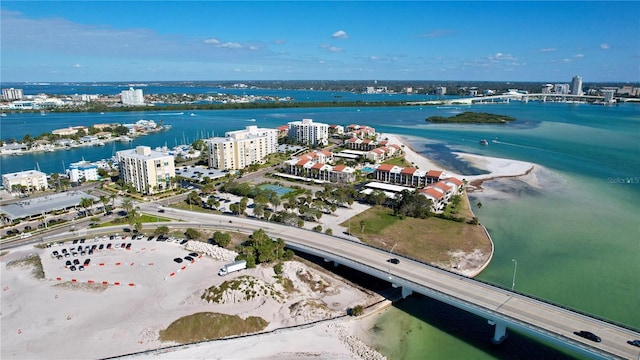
(503, 308)
(512, 96)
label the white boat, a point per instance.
(125, 139)
(484, 142)
(3, 114)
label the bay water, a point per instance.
(575, 235)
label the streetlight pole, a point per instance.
(390, 255)
(515, 268)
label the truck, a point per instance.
(234, 266)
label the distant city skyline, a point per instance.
(547, 41)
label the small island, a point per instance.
(470, 117)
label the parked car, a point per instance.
(188, 258)
(394, 261)
(588, 335)
(86, 262)
(178, 260)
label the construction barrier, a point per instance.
(105, 283)
(132, 284)
(101, 264)
(74, 280)
(116, 283)
(118, 264)
(59, 279)
(132, 264)
(90, 281)
(172, 274)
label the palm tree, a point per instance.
(104, 200)
(127, 205)
(86, 203)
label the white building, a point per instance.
(12, 94)
(82, 171)
(132, 97)
(147, 170)
(30, 180)
(562, 89)
(239, 149)
(441, 90)
(308, 132)
(576, 86)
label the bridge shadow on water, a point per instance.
(462, 325)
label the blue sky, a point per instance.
(52, 41)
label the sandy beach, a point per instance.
(119, 307)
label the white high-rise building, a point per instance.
(309, 133)
(241, 148)
(576, 86)
(132, 97)
(82, 171)
(147, 170)
(561, 89)
(12, 94)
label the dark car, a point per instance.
(161, 210)
(68, 263)
(588, 335)
(109, 246)
(634, 342)
(178, 260)
(128, 247)
(72, 268)
(101, 247)
(193, 254)
(86, 262)
(188, 258)
(394, 261)
(76, 262)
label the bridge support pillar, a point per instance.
(500, 332)
(406, 292)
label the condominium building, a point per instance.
(576, 85)
(241, 148)
(82, 171)
(28, 180)
(308, 132)
(132, 97)
(148, 171)
(12, 94)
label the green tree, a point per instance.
(87, 204)
(194, 199)
(104, 201)
(221, 239)
(127, 205)
(192, 234)
(161, 230)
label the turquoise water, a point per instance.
(280, 190)
(575, 236)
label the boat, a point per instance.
(484, 142)
(3, 114)
(125, 139)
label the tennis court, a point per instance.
(281, 190)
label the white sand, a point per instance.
(497, 167)
(58, 319)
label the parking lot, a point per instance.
(118, 259)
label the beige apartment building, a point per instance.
(147, 170)
(239, 149)
(29, 180)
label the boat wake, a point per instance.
(171, 114)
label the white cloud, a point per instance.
(604, 46)
(548, 49)
(501, 56)
(330, 48)
(77, 66)
(578, 55)
(231, 45)
(212, 41)
(340, 34)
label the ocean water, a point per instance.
(575, 235)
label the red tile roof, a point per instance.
(455, 181)
(408, 170)
(339, 168)
(433, 192)
(302, 162)
(317, 166)
(385, 167)
(434, 173)
(442, 186)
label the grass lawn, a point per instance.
(144, 218)
(398, 161)
(210, 325)
(428, 240)
(184, 206)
